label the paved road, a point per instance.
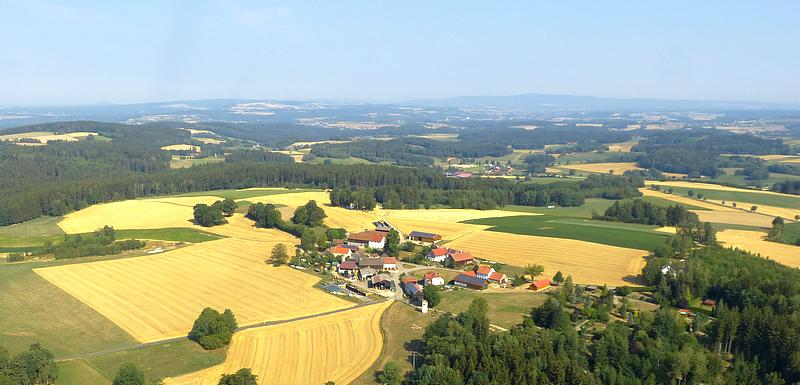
(178, 339)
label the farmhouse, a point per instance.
(460, 258)
(381, 281)
(710, 302)
(498, 278)
(367, 273)
(540, 285)
(406, 280)
(374, 262)
(372, 239)
(422, 237)
(437, 254)
(389, 263)
(484, 272)
(470, 280)
(347, 268)
(341, 252)
(433, 278)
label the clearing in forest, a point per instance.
(181, 147)
(336, 347)
(159, 296)
(587, 262)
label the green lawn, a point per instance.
(609, 233)
(505, 309)
(80, 373)
(177, 234)
(33, 228)
(743, 196)
(159, 361)
(33, 310)
(243, 194)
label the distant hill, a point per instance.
(546, 102)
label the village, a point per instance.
(364, 269)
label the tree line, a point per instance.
(415, 187)
(100, 242)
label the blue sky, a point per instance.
(54, 52)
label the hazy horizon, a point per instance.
(97, 53)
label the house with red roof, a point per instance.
(340, 251)
(433, 278)
(390, 263)
(370, 238)
(347, 268)
(460, 258)
(498, 278)
(437, 254)
(484, 271)
(540, 285)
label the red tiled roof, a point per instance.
(368, 236)
(409, 279)
(461, 256)
(497, 276)
(431, 275)
(541, 284)
(439, 251)
(484, 270)
(389, 260)
(348, 265)
(470, 273)
(339, 250)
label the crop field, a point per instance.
(181, 147)
(603, 168)
(587, 262)
(135, 214)
(628, 235)
(753, 241)
(623, 146)
(178, 162)
(336, 347)
(159, 296)
(733, 194)
(45, 136)
(735, 218)
(686, 201)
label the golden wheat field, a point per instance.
(685, 200)
(617, 168)
(734, 217)
(181, 147)
(336, 347)
(623, 146)
(710, 186)
(768, 212)
(753, 241)
(353, 220)
(208, 140)
(45, 136)
(587, 262)
(159, 296)
(135, 214)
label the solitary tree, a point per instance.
(534, 270)
(129, 374)
(390, 375)
(279, 255)
(432, 295)
(243, 376)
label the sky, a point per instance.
(86, 52)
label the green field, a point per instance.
(33, 228)
(609, 233)
(33, 310)
(598, 205)
(157, 361)
(184, 163)
(177, 234)
(740, 180)
(349, 160)
(505, 309)
(791, 233)
(743, 196)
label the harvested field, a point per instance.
(768, 212)
(684, 200)
(353, 220)
(603, 168)
(623, 146)
(587, 262)
(135, 214)
(753, 241)
(45, 136)
(242, 228)
(181, 147)
(710, 186)
(336, 347)
(159, 296)
(735, 218)
(208, 140)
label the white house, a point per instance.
(372, 239)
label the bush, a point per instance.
(243, 376)
(213, 330)
(15, 257)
